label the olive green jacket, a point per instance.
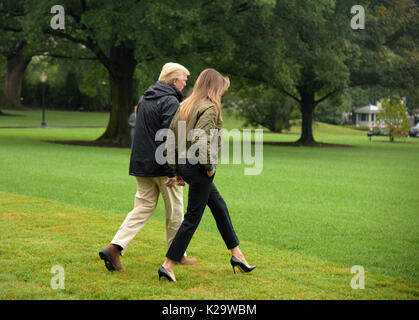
(204, 117)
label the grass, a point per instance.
(33, 118)
(315, 212)
(47, 233)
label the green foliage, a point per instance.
(394, 114)
(332, 110)
(386, 53)
(10, 26)
(308, 49)
(79, 85)
(267, 107)
(314, 44)
(304, 49)
(359, 97)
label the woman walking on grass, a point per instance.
(201, 110)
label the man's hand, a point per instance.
(170, 182)
(211, 173)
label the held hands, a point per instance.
(180, 181)
(170, 182)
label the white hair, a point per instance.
(172, 71)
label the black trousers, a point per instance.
(202, 192)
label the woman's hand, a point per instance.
(211, 173)
(180, 181)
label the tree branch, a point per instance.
(15, 15)
(326, 96)
(67, 36)
(289, 94)
(11, 29)
(207, 3)
(90, 43)
(242, 7)
(52, 55)
(83, 5)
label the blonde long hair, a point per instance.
(209, 85)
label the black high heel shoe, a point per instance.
(163, 273)
(235, 262)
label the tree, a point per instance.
(12, 46)
(386, 59)
(394, 114)
(122, 34)
(299, 49)
(387, 55)
(17, 63)
(308, 50)
(79, 85)
(316, 46)
(267, 107)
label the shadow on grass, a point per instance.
(2, 114)
(306, 144)
(109, 144)
(106, 144)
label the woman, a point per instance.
(201, 110)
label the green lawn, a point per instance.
(311, 206)
(53, 118)
(47, 234)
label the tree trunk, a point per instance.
(15, 71)
(273, 125)
(391, 134)
(307, 105)
(121, 81)
(121, 93)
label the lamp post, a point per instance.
(44, 79)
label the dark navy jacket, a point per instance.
(156, 109)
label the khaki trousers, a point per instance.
(146, 198)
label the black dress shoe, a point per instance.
(235, 262)
(164, 273)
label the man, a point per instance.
(131, 122)
(156, 109)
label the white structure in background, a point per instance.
(366, 116)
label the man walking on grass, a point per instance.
(156, 109)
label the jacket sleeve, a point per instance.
(174, 166)
(168, 110)
(207, 122)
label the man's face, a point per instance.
(180, 83)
